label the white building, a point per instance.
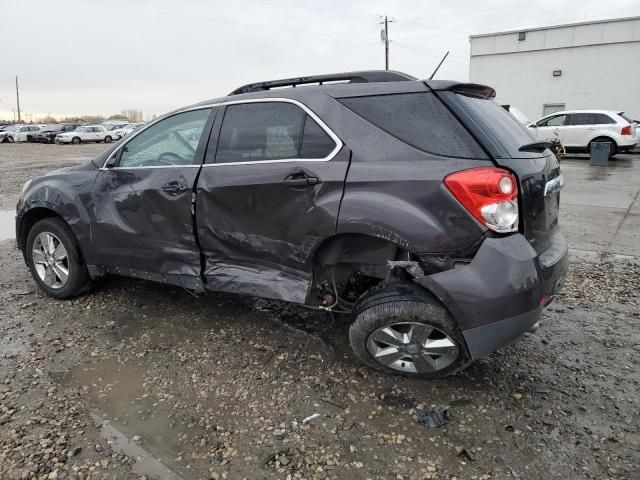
(578, 66)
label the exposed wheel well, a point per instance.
(348, 265)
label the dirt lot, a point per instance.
(143, 379)
(20, 162)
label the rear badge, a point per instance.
(554, 185)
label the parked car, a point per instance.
(132, 127)
(577, 129)
(48, 133)
(421, 208)
(85, 133)
(17, 133)
(111, 124)
(117, 131)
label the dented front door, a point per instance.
(143, 223)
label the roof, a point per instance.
(384, 82)
(565, 112)
(364, 76)
(550, 27)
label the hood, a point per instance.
(74, 168)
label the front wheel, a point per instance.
(107, 139)
(54, 259)
(76, 140)
(403, 331)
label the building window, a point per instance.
(522, 36)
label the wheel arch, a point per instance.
(29, 219)
(604, 138)
(33, 216)
(358, 247)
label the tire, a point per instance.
(76, 140)
(405, 310)
(107, 139)
(614, 147)
(47, 273)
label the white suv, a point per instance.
(86, 133)
(577, 129)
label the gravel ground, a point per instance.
(20, 162)
(140, 379)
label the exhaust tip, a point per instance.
(534, 327)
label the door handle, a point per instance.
(174, 188)
(300, 179)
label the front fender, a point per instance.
(65, 193)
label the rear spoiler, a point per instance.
(471, 89)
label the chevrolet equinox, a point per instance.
(421, 208)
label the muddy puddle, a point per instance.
(7, 224)
(134, 421)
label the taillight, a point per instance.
(489, 194)
(626, 130)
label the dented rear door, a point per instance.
(267, 196)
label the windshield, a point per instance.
(12, 128)
(79, 129)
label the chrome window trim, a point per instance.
(307, 110)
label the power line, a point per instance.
(217, 54)
(280, 59)
(428, 53)
(209, 19)
(469, 12)
(318, 9)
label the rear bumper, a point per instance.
(502, 292)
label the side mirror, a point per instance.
(532, 125)
(113, 160)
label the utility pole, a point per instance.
(384, 35)
(386, 44)
(18, 98)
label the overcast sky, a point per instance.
(78, 57)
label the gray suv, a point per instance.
(420, 208)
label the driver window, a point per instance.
(556, 121)
(172, 141)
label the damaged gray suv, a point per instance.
(421, 208)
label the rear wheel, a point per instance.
(76, 140)
(54, 260)
(403, 331)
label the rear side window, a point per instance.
(418, 119)
(603, 119)
(581, 119)
(270, 131)
(315, 141)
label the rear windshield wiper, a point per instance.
(535, 147)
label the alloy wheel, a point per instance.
(412, 347)
(50, 260)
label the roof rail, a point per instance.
(366, 76)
